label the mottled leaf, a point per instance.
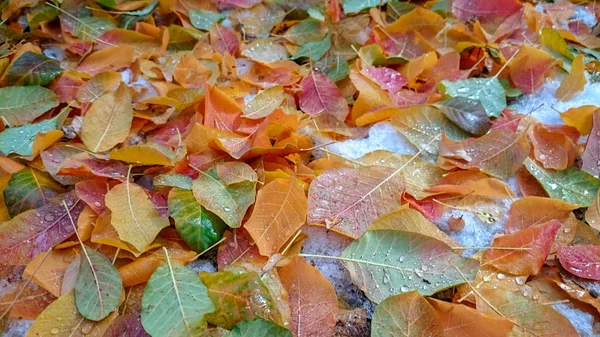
(321, 95)
(468, 114)
(384, 263)
(21, 105)
(488, 91)
(405, 315)
(33, 69)
(583, 261)
(264, 103)
(28, 189)
(258, 327)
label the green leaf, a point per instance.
(468, 114)
(198, 227)
(203, 20)
(396, 9)
(228, 201)
(421, 124)
(571, 185)
(91, 28)
(355, 6)
(173, 180)
(99, 287)
(28, 189)
(181, 39)
(33, 69)
(20, 140)
(509, 90)
(107, 3)
(488, 91)
(258, 327)
(239, 297)
(383, 263)
(314, 50)
(264, 103)
(339, 70)
(21, 105)
(306, 31)
(175, 302)
(41, 15)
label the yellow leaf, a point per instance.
(149, 154)
(61, 319)
(280, 210)
(573, 82)
(108, 120)
(371, 96)
(133, 215)
(580, 118)
(104, 233)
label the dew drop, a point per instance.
(54, 331)
(501, 276)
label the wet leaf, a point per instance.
(280, 210)
(228, 201)
(28, 189)
(98, 288)
(264, 103)
(408, 315)
(580, 118)
(529, 67)
(488, 91)
(239, 296)
(36, 230)
(383, 263)
(257, 327)
(348, 200)
(29, 140)
(583, 261)
(198, 227)
(499, 153)
(570, 185)
(107, 122)
(468, 114)
(321, 95)
(33, 69)
(536, 239)
(315, 49)
(21, 105)
(553, 147)
(175, 302)
(574, 82)
(203, 19)
(61, 319)
(134, 216)
(591, 155)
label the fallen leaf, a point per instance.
(21, 105)
(28, 189)
(583, 261)
(591, 155)
(313, 301)
(257, 327)
(574, 82)
(552, 148)
(406, 315)
(529, 67)
(580, 118)
(383, 263)
(321, 95)
(280, 210)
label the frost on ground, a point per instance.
(583, 322)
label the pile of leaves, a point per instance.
(141, 136)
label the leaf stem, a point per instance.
(209, 248)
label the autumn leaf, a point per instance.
(529, 67)
(177, 292)
(348, 200)
(21, 105)
(459, 320)
(264, 103)
(108, 120)
(32, 69)
(257, 327)
(36, 230)
(592, 215)
(239, 296)
(533, 319)
(384, 263)
(467, 113)
(228, 201)
(29, 189)
(583, 261)
(407, 314)
(466, 9)
(580, 118)
(313, 302)
(26, 300)
(532, 246)
(62, 319)
(320, 95)
(133, 215)
(591, 154)
(280, 210)
(499, 153)
(574, 82)
(553, 148)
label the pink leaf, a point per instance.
(591, 154)
(387, 78)
(484, 9)
(92, 192)
(583, 261)
(223, 40)
(320, 94)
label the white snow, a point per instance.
(586, 17)
(382, 136)
(544, 107)
(582, 321)
(483, 220)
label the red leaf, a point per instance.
(528, 68)
(387, 78)
(92, 192)
(238, 246)
(591, 154)
(583, 261)
(320, 94)
(35, 231)
(484, 9)
(223, 40)
(537, 239)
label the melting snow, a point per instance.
(582, 321)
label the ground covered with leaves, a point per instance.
(299, 168)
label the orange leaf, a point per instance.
(580, 118)
(313, 302)
(536, 239)
(528, 69)
(109, 59)
(280, 210)
(552, 148)
(574, 82)
(459, 320)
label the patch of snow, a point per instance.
(207, 262)
(483, 221)
(544, 107)
(583, 322)
(513, 185)
(17, 327)
(320, 241)
(382, 136)
(585, 16)
(126, 75)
